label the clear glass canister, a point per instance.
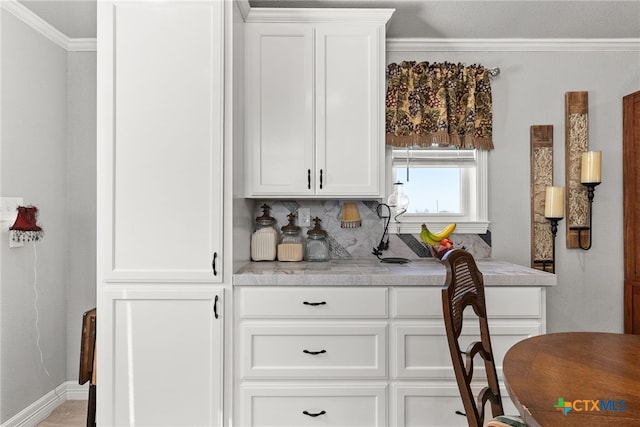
(265, 239)
(291, 247)
(317, 247)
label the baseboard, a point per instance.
(41, 408)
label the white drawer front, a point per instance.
(427, 406)
(434, 405)
(317, 302)
(502, 302)
(348, 406)
(314, 351)
(421, 351)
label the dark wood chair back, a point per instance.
(88, 362)
(464, 287)
(87, 346)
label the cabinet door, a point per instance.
(349, 110)
(278, 108)
(160, 134)
(163, 366)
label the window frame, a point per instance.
(475, 186)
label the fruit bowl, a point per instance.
(438, 243)
(438, 251)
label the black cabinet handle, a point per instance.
(314, 303)
(314, 353)
(215, 306)
(309, 179)
(321, 179)
(314, 415)
(213, 263)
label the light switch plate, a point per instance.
(9, 211)
(8, 214)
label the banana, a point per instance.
(445, 233)
(425, 236)
(434, 239)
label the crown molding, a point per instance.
(82, 45)
(512, 45)
(244, 7)
(24, 14)
(282, 15)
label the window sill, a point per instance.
(414, 227)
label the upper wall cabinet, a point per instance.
(315, 103)
(160, 135)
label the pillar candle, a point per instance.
(554, 202)
(591, 161)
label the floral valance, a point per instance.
(438, 103)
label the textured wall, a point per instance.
(81, 181)
(34, 167)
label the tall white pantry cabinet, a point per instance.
(160, 213)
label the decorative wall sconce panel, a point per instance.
(576, 143)
(541, 139)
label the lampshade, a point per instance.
(350, 215)
(25, 228)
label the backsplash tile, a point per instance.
(358, 243)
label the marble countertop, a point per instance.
(374, 273)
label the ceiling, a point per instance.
(471, 19)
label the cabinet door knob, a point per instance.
(315, 303)
(309, 179)
(314, 415)
(213, 263)
(314, 353)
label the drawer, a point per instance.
(434, 405)
(422, 351)
(315, 302)
(428, 405)
(502, 302)
(347, 406)
(313, 351)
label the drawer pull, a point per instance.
(314, 415)
(314, 352)
(314, 303)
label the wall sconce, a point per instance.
(554, 212)
(25, 228)
(590, 177)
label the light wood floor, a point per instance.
(71, 413)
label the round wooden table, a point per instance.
(575, 379)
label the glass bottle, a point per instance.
(264, 240)
(317, 248)
(291, 247)
(398, 201)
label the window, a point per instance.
(443, 184)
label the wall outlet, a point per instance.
(304, 217)
(9, 211)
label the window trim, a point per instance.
(479, 224)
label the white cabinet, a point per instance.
(160, 199)
(423, 386)
(164, 365)
(160, 134)
(315, 104)
(311, 356)
(381, 352)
